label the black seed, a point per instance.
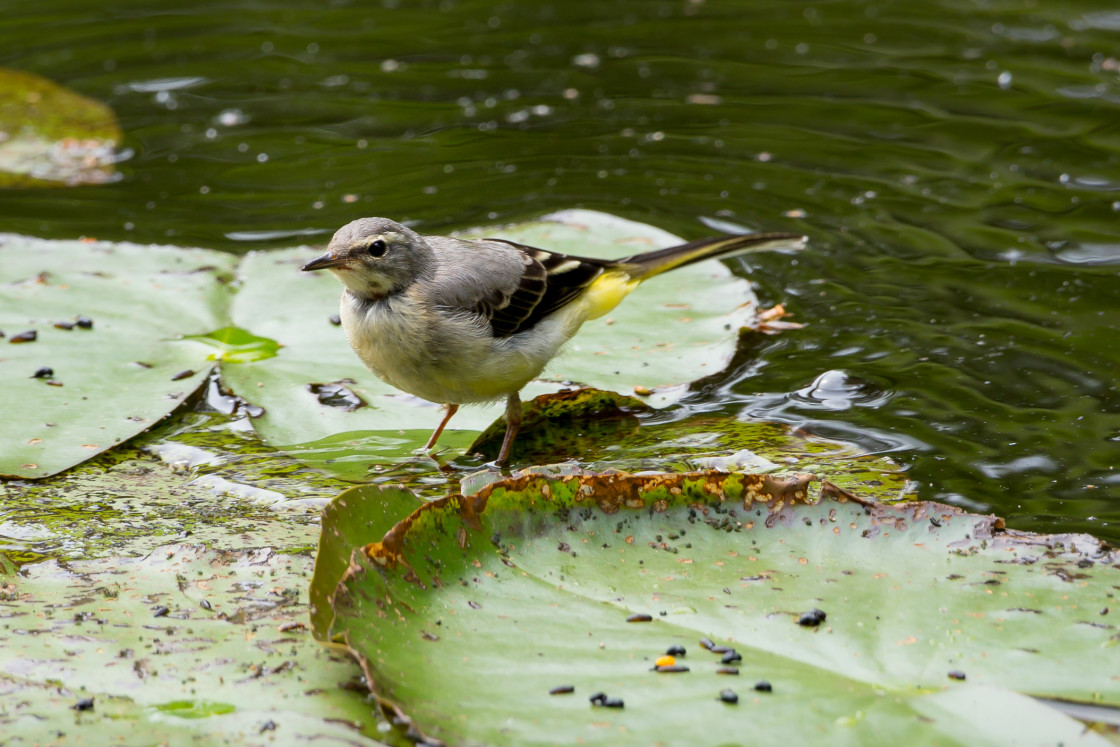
(812, 618)
(335, 319)
(639, 617)
(935, 521)
(562, 690)
(763, 686)
(183, 375)
(728, 696)
(28, 336)
(956, 674)
(52, 382)
(161, 611)
(84, 322)
(613, 703)
(269, 725)
(676, 651)
(706, 643)
(85, 704)
(598, 698)
(731, 657)
(727, 670)
(1104, 610)
(63, 325)
(205, 604)
(671, 668)
(43, 373)
(720, 649)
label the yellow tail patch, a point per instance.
(607, 291)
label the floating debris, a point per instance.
(183, 375)
(562, 690)
(29, 336)
(728, 696)
(763, 686)
(812, 618)
(84, 322)
(43, 373)
(675, 651)
(731, 657)
(85, 704)
(956, 674)
(727, 670)
(639, 617)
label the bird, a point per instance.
(457, 321)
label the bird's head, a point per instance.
(375, 257)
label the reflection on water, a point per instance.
(954, 165)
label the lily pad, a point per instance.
(185, 644)
(937, 624)
(52, 136)
(104, 363)
(553, 421)
(670, 331)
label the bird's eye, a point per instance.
(377, 247)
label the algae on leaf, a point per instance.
(468, 612)
(185, 643)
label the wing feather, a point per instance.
(549, 282)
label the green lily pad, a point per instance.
(76, 391)
(669, 332)
(469, 611)
(184, 644)
(51, 136)
(382, 508)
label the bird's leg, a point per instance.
(451, 410)
(513, 423)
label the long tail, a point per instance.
(643, 266)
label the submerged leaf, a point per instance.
(51, 136)
(481, 605)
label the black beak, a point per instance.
(325, 262)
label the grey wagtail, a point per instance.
(456, 321)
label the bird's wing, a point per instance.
(549, 282)
(512, 285)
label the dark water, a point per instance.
(955, 164)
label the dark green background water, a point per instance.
(954, 163)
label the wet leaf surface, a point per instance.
(185, 643)
(481, 605)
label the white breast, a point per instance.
(443, 356)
